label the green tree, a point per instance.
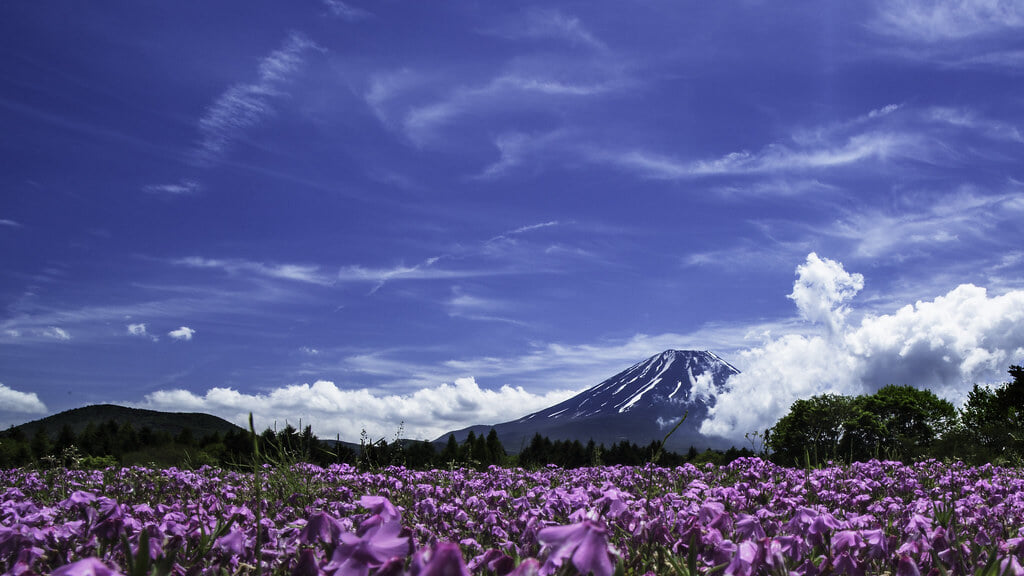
(451, 451)
(40, 444)
(494, 446)
(812, 430)
(897, 422)
(993, 421)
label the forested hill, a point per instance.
(172, 423)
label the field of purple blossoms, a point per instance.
(751, 517)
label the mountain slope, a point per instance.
(172, 422)
(639, 404)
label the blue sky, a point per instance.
(367, 213)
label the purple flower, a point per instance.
(528, 567)
(749, 556)
(85, 567)
(585, 543)
(357, 554)
(232, 543)
(306, 564)
(380, 506)
(321, 527)
(446, 560)
(907, 567)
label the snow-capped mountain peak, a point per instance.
(673, 378)
(640, 404)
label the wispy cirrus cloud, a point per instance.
(56, 333)
(775, 158)
(517, 148)
(548, 23)
(306, 273)
(244, 106)
(522, 89)
(968, 119)
(346, 11)
(462, 304)
(967, 215)
(425, 270)
(952, 33)
(933, 21)
(181, 188)
(9, 223)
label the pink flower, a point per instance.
(585, 543)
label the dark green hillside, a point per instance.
(200, 425)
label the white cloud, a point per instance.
(56, 333)
(944, 219)
(297, 272)
(516, 148)
(422, 271)
(426, 413)
(874, 145)
(934, 21)
(182, 188)
(183, 333)
(9, 223)
(822, 290)
(946, 344)
(970, 120)
(346, 11)
(246, 105)
(140, 331)
(21, 402)
(549, 23)
(470, 307)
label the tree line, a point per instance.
(114, 443)
(903, 423)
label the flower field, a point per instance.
(750, 517)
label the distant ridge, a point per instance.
(640, 404)
(77, 419)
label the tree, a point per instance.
(40, 444)
(993, 420)
(897, 422)
(451, 451)
(494, 446)
(810, 431)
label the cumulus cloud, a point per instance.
(426, 413)
(947, 344)
(140, 331)
(183, 333)
(12, 400)
(822, 289)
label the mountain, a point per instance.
(172, 422)
(639, 404)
